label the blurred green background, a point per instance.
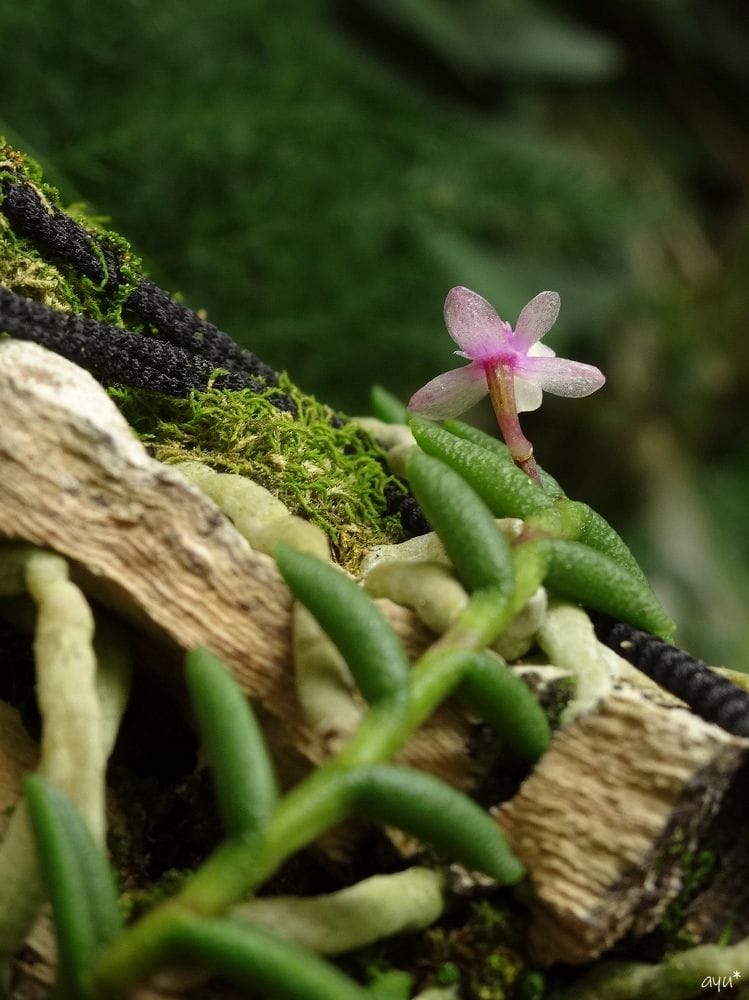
(317, 175)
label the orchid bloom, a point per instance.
(512, 366)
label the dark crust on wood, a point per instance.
(607, 818)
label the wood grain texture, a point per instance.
(73, 478)
(610, 815)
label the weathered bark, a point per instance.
(609, 817)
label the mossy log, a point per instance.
(145, 542)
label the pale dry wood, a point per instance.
(144, 541)
(607, 818)
(73, 478)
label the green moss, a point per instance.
(479, 947)
(24, 272)
(136, 902)
(698, 868)
(23, 269)
(486, 953)
(532, 986)
(447, 974)
(334, 476)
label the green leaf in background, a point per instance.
(318, 174)
(386, 406)
(501, 37)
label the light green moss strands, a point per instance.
(332, 475)
(25, 271)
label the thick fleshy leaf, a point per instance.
(527, 396)
(79, 883)
(451, 393)
(474, 325)
(234, 744)
(536, 319)
(560, 376)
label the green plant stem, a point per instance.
(239, 866)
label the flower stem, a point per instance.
(501, 384)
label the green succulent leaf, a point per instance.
(582, 574)
(345, 611)
(386, 406)
(504, 488)
(500, 451)
(258, 960)
(584, 524)
(465, 525)
(426, 807)
(80, 883)
(242, 769)
(506, 703)
(596, 532)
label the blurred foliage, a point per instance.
(318, 174)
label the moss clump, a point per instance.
(24, 270)
(333, 475)
(26, 273)
(135, 902)
(479, 947)
(698, 867)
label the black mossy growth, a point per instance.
(400, 502)
(183, 327)
(112, 355)
(56, 234)
(709, 695)
(65, 241)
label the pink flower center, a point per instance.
(491, 358)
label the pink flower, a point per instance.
(495, 352)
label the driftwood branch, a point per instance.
(610, 816)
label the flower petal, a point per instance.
(536, 319)
(560, 376)
(451, 393)
(539, 350)
(527, 395)
(474, 324)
